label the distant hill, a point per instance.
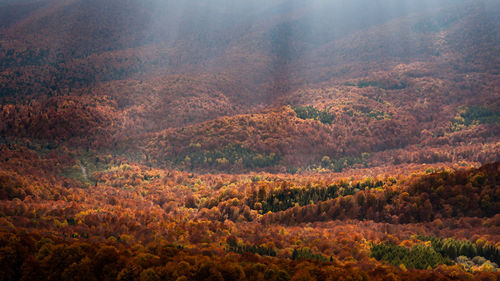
(421, 75)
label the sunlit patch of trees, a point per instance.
(419, 256)
(285, 196)
(309, 112)
(228, 156)
(386, 85)
(454, 248)
(474, 115)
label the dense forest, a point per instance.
(249, 140)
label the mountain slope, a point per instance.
(145, 69)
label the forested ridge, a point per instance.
(129, 221)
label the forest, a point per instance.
(249, 140)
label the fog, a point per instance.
(314, 22)
(262, 43)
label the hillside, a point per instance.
(249, 140)
(142, 86)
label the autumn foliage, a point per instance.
(263, 140)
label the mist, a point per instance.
(249, 140)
